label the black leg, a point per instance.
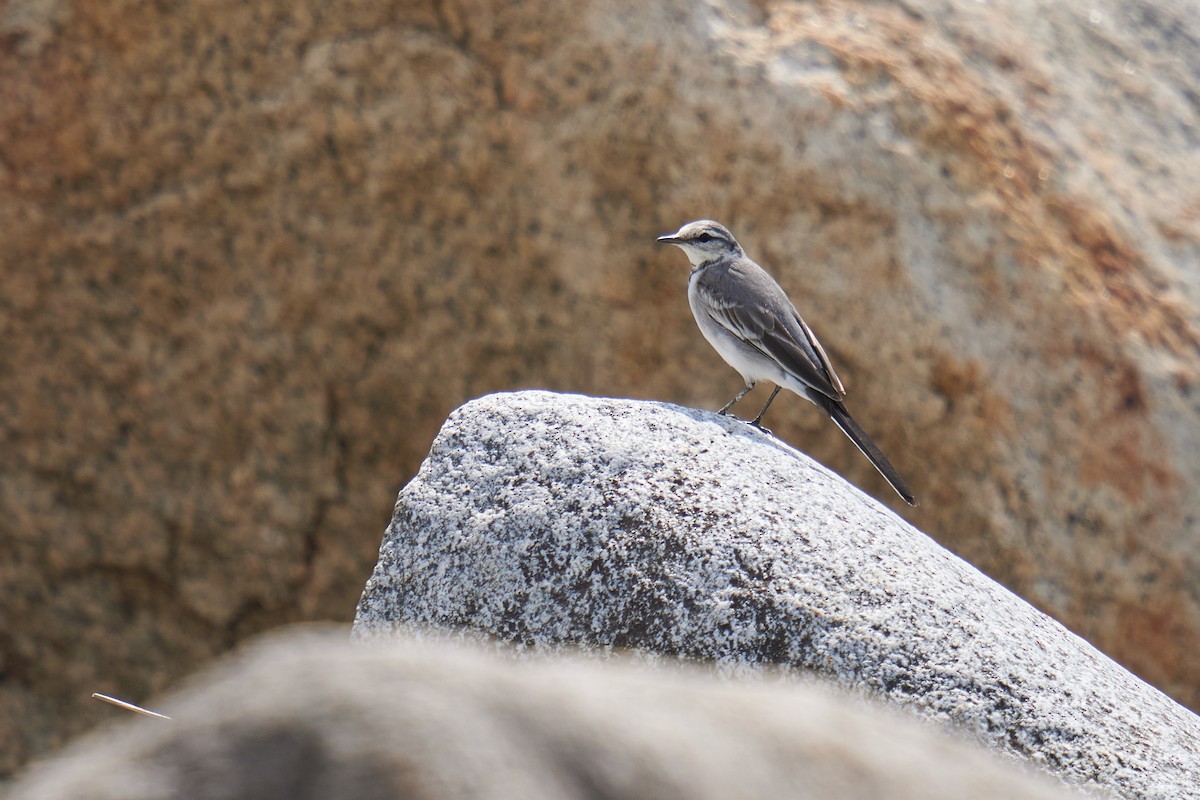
(755, 422)
(740, 395)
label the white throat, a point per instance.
(696, 256)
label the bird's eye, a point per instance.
(704, 237)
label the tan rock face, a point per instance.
(254, 253)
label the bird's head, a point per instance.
(704, 241)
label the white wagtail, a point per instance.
(748, 319)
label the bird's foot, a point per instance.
(753, 423)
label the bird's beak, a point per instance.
(669, 238)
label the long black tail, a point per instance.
(869, 449)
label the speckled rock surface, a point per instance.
(546, 520)
(312, 717)
(255, 251)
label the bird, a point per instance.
(748, 319)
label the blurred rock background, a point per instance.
(312, 716)
(253, 254)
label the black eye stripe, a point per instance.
(705, 237)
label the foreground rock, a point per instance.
(312, 717)
(546, 520)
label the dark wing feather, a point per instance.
(825, 362)
(792, 346)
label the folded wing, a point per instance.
(786, 339)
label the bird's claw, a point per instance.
(753, 423)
